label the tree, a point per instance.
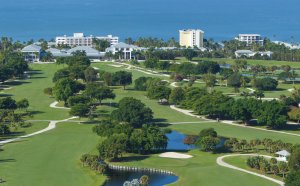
(122, 78)
(294, 114)
(283, 168)
(90, 74)
(141, 83)
(259, 94)
(74, 100)
(208, 132)
(61, 73)
(208, 143)
(48, 91)
(158, 92)
(151, 63)
(144, 180)
(107, 78)
(23, 104)
(205, 67)
(186, 69)
(99, 93)
(177, 95)
(8, 104)
(113, 147)
(80, 110)
(266, 84)
(189, 54)
(272, 114)
(240, 110)
(164, 65)
(210, 80)
(132, 111)
(294, 160)
(101, 44)
(235, 80)
(275, 169)
(190, 140)
(65, 87)
(293, 179)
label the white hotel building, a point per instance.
(251, 38)
(191, 38)
(79, 39)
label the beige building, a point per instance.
(191, 38)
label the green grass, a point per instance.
(250, 61)
(241, 162)
(51, 158)
(26, 130)
(234, 131)
(199, 170)
(32, 89)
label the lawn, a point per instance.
(35, 126)
(32, 89)
(250, 61)
(51, 158)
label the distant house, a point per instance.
(267, 53)
(124, 49)
(244, 53)
(249, 53)
(32, 53)
(249, 39)
(283, 155)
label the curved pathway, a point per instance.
(53, 105)
(51, 126)
(228, 122)
(221, 162)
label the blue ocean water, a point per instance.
(220, 19)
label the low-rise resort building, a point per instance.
(250, 39)
(79, 39)
(32, 53)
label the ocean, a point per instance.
(220, 19)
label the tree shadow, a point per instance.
(16, 83)
(35, 112)
(159, 120)
(6, 95)
(11, 135)
(7, 160)
(37, 77)
(133, 158)
(113, 104)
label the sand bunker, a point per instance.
(175, 155)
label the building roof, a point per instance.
(249, 35)
(123, 45)
(32, 48)
(88, 50)
(191, 30)
(53, 50)
(244, 52)
(283, 153)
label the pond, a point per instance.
(117, 178)
(175, 142)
